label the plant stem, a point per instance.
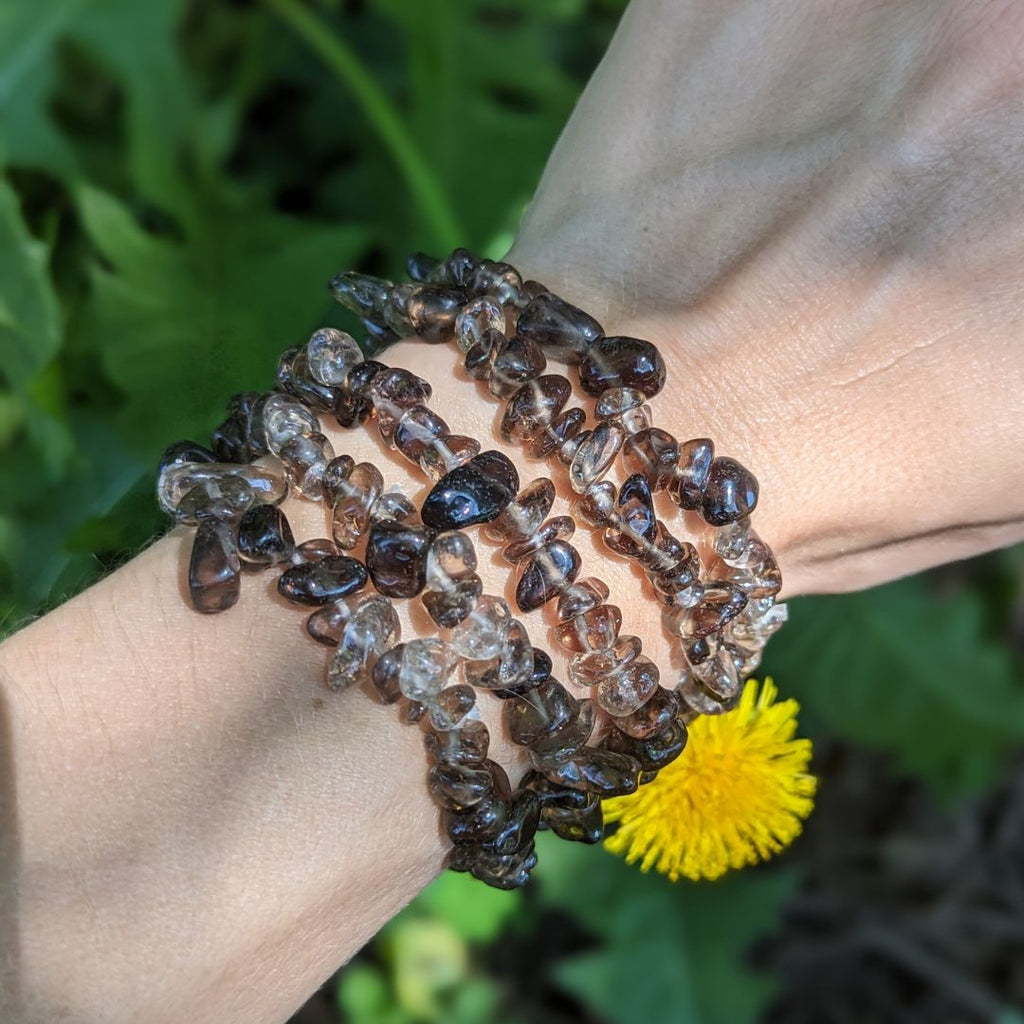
(382, 115)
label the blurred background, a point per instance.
(179, 181)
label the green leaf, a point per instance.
(183, 325)
(903, 670)
(668, 952)
(475, 912)
(30, 324)
(364, 996)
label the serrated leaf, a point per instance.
(668, 952)
(903, 670)
(30, 325)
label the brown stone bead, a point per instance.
(596, 505)
(621, 362)
(456, 786)
(322, 581)
(533, 406)
(581, 597)
(525, 514)
(466, 744)
(720, 603)
(478, 823)
(546, 575)
(417, 430)
(665, 551)
(264, 536)
(683, 573)
(562, 330)
(314, 549)
(494, 277)
(515, 363)
(653, 452)
(447, 608)
(686, 483)
(519, 828)
(605, 773)
(627, 690)
(730, 492)
(592, 630)
(335, 477)
(327, 624)
(594, 456)
(386, 671)
(559, 528)
(355, 498)
(392, 392)
(432, 309)
(476, 492)
(396, 557)
(652, 717)
(294, 378)
(458, 268)
(352, 403)
(562, 429)
(590, 668)
(215, 571)
(655, 751)
(547, 708)
(561, 744)
(451, 706)
(575, 826)
(477, 362)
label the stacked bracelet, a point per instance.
(717, 595)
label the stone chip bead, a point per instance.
(447, 608)
(476, 492)
(322, 581)
(265, 536)
(177, 479)
(653, 452)
(396, 557)
(330, 355)
(226, 499)
(546, 574)
(215, 571)
(532, 406)
(393, 391)
(476, 319)
(355, 498)
(523, 516)
(467, 743)
(561, 329)
(595, 455)
(516, 362)
(686, 483)
(482, 634)
(553, 437)
(417, 430)
(729, 494)
(432, 310)
(621, 362)
(295, 378)
(371, 629)
(605, 773)
(352, 404)
(628, 689)
(284, 418)
(305, 458)
(446, 453)
(425, 667)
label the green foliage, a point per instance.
(667, 952)
(904, 670)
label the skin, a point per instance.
(813, 209)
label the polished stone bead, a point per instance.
(575, 826)
(352, 405)
(545, 709)
(451, 706)
(323, 581)
(569, 447)
(498, 279)
(396, 557)
(528, 292)
(686, 483)
(476, 492)
(565, 742)
(330, 355)
(591, 630)
(562, 330)
(327, 623)
(230, 441)
(582, 597)
(241, 437)
(305, 458)
(519, 827)
(336, 474)
(446, 453)
(296, 379)
(693, 695)
(731, 541)
(758, 621)
(417, 430)
(432, 309)
(510, 669)
(681, 574)
(396, 309)
(392, 392)
(633, 421)
(720, 603)
(314, 549)
(698, 649)
(362, 294)
(394, 505)
(226, 499)
(553, 795)
(478, 823)
(546, 575)
(599, 771)
(421, 266)
(517, 362)
(718, 676)
(424, 668)
(185, 451)
(596, 506)
(378, 337)
(730, 492)
(371, 629)
(559, 528)
(264, 536)
(590, 668)
(653, 452)
(522, 517)
(178, 479)
(356, 498)
(541, 666)
(627, 690)
(655, 751)
(533, 406)
(476, 319)
(617, 401)
(214, 572)
(465, 744)
(456, 786)
(477, 363)
(457, 268)
(653, 716)
(504, 872)
(451, 557)
(760, 579)
(552, 438)
(447, 608)
(284, 419)
(620, 362)
(482, 634)
(594, 457)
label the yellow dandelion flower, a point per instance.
(737, 794)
